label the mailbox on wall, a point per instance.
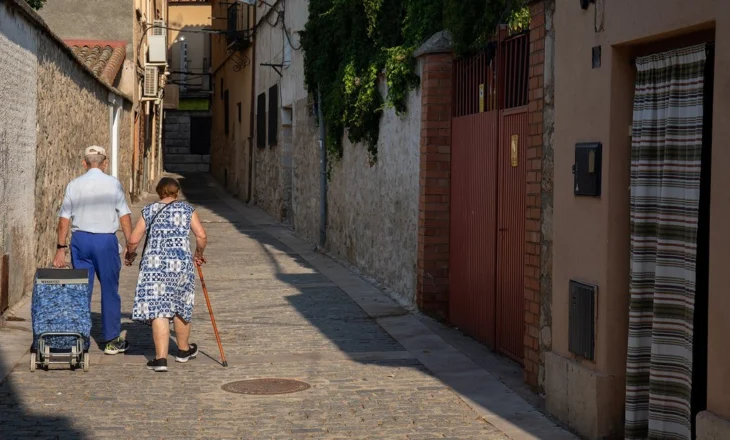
(587, 169)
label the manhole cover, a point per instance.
(265, 386)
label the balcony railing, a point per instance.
(238, 29)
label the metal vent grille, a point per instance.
(581, 333)
(151, 81)
(159, 28)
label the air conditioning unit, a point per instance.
(157, 50)
(159, 28)
(151, 84)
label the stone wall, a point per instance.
(64, 84)
(178, 155)
(56, 108)
(372, 215)
(268, 188)
(19, 95)
(305, 172)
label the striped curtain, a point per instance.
(665, 191)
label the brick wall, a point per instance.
(533, 213)
(435, 172)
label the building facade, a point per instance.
(151, 37)
(187, 128)
(232, 72)
(639, 237)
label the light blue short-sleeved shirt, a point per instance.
(94, 202)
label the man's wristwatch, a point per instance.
(61, 246)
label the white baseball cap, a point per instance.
(94, 149)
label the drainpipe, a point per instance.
(160, 163)
(252, 121)
(322, 175)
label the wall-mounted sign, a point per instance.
(514, 149)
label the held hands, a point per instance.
(130, 255)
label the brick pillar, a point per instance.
(432, 289)
(533, 212)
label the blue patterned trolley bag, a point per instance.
(61, 317)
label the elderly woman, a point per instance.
(166, 284)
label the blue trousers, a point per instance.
(99, 253)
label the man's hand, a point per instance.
(129, 258)
(60, 260)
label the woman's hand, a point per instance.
(199, 259)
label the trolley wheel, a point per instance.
(87, 358)
(46, 356)
(33, 360)
(75, 358)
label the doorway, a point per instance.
(488, 194)
(701, 312)
(666, 383)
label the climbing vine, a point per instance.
(349, 44)
(36, 4)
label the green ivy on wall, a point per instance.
(348, 44)
(36, 4)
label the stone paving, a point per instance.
(279, 317)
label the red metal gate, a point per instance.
(488, 195)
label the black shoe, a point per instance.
(186, 355)
(158, 365)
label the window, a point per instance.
(226, 113)
(239, 112)
(273, 114)
(261, 120)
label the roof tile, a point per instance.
(104, 58)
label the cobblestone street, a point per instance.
(279, 317)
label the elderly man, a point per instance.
(94, 206)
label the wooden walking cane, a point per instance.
(212, 318)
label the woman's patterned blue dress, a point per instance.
(166, 284)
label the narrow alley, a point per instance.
(284, 311)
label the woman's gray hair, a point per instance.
(95, 159)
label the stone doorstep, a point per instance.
(712, 427)
(492, 400)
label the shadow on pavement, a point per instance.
(19, 420)
(336, 316)
(316, 298)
